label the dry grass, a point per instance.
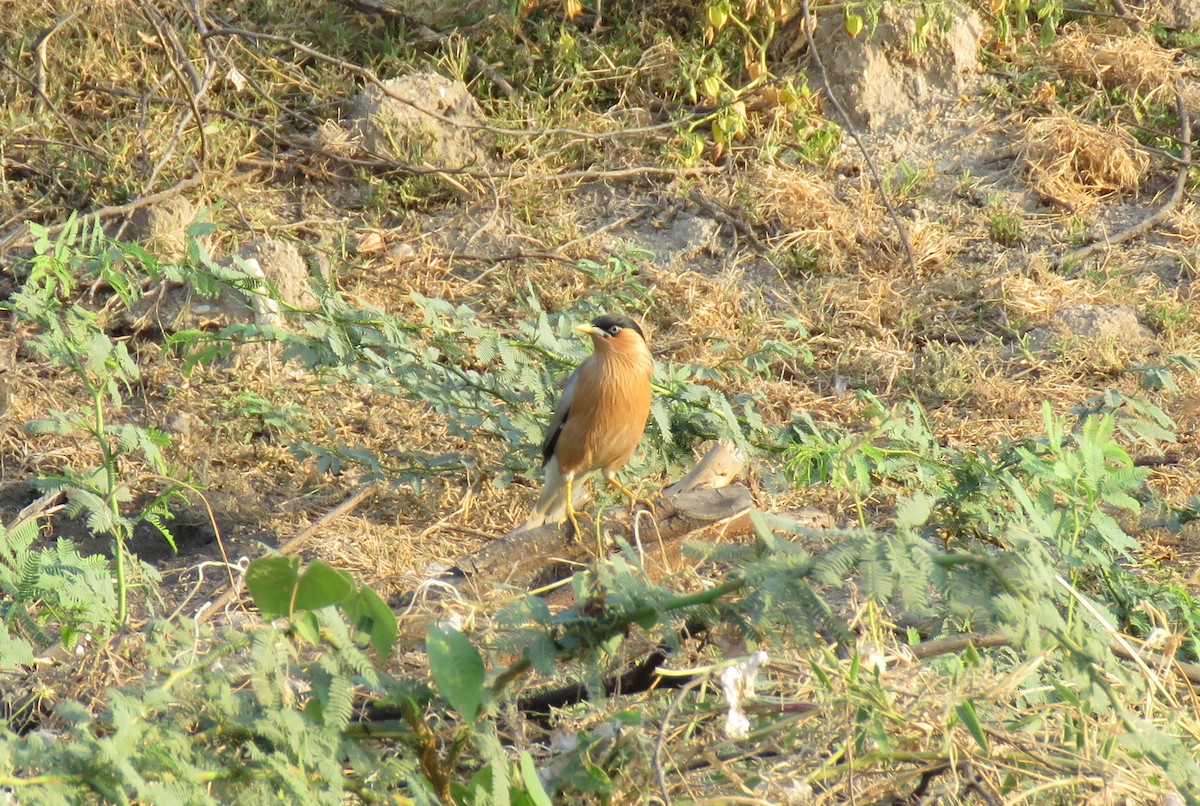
(810, 218)
(833, 265)
(1036, 296)
(916, 701)
(1133, 64)
(1077, 164)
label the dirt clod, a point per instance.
(894, 71)
(421, 119)
(1102, 321)
(1174, 13)
(282, 267)
(1118, 324)
(162, 228)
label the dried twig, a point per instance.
(1121, 648)
(1145, 225)
(739, 226)
(546, 254)
(703, 501)
(858, 139)
(380, 163)
(1124, 13)
(370, 77)
(294, 544)
(120, 92)
(39, 49)
(19, 237)
(44, 506)
(582, 175)
(67, 122)
(46, 141)
(196, 85)
(955, 643)
(659, 744)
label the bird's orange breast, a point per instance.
(608, 413)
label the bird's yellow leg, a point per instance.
(630, 494)
(575, 535)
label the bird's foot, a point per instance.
(576, 532)
(633, 497)
(644, 503)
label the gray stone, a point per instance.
(162, 228)
(422, 119)
(879, 76)
(171, 307)
(1101, 321)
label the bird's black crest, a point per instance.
(608, 320)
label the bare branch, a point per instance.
(1100, 243)
(844, 118)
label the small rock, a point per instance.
(370, 241)
(179, 423)
(162, 228)
(401, 252)
(422, 119)
(882, 77)
(1102, 321)
(1117, 323)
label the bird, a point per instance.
(599, 420)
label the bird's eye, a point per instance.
(615, 329)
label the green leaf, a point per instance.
(479, 788)
(533, 784)
(271, 582)
(661, 419)
(457, 669)
(1066, 693)
(371, 615)
(307, 626)
(73, 712)
(914, 511)
(14, 651)
(647, 619)
(322, 585)
(966, 713)
(821, 675)
(542, 652)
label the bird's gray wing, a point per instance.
(559, 418)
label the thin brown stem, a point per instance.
(844, 119)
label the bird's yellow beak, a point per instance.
(585, 328)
